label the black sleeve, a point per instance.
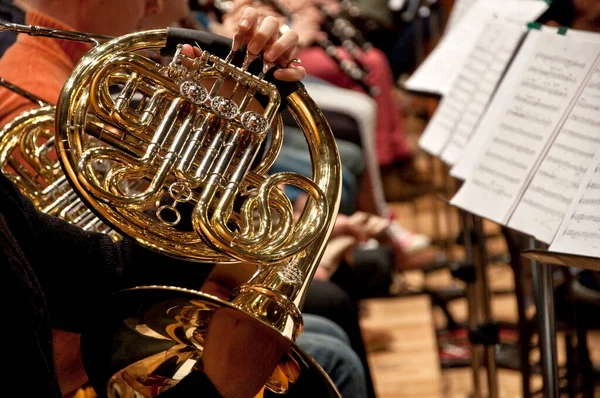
(78, 270)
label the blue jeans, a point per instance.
(329, 345)
(294, 156)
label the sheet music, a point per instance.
(440, 128)
(556, 181)
(437, 73)
(579, 232)
(459, 9)
(484, 127)
(477, 131)
(502, 50)
(528, 110)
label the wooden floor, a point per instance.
(410, 368)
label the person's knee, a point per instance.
(327, 297)
(377, 62)
(338, 360)
(374, 57)
(320, 324)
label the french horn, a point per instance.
(196, 137)
(29, 159)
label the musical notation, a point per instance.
(440, 128)
(460, 144)
(579, 232)
(558, 177)
(439, 70)
(538, 95)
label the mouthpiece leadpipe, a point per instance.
(33, 30)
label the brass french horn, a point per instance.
(197, 150)
(28, 158)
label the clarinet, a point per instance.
(350, 67)
(359, 22)
(345, 31)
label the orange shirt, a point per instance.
(42, 66)
(39, 65)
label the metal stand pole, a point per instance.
(481, 262)
(472, 300)
(543, 290)
(449, 191)
(524, 328)
(438, 237)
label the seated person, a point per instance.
(393, 151)
(391, 143)
(28, 234)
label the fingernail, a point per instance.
(244, 23)
(254, 48)
(270, 55)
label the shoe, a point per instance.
(454, 348)
(401, 287)
(409, 242)
(376, 340)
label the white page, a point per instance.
(530, 107)
(473, 131)
(555, 183)
(502, 51)
(437, 73)
(439, 129)
(579, 232)
(459, 9)
(484, 127)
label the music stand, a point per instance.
(542, 277)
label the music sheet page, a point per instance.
(468, 139)
(560, 173)
(437, 73)
(493, 110)
(530, 105)
(459, 9)
(579, 232)
(439, 129)
(500, 51)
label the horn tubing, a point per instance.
(24, 93)
(34, 30)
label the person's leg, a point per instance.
(326, 299)
(370, 273)
(294, 156)
(390, 138)
(338, 360)
(319, 324)
(351, 155)
(371, 196)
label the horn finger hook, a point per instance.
(292, 62)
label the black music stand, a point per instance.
(544, 290)
(563, 259)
